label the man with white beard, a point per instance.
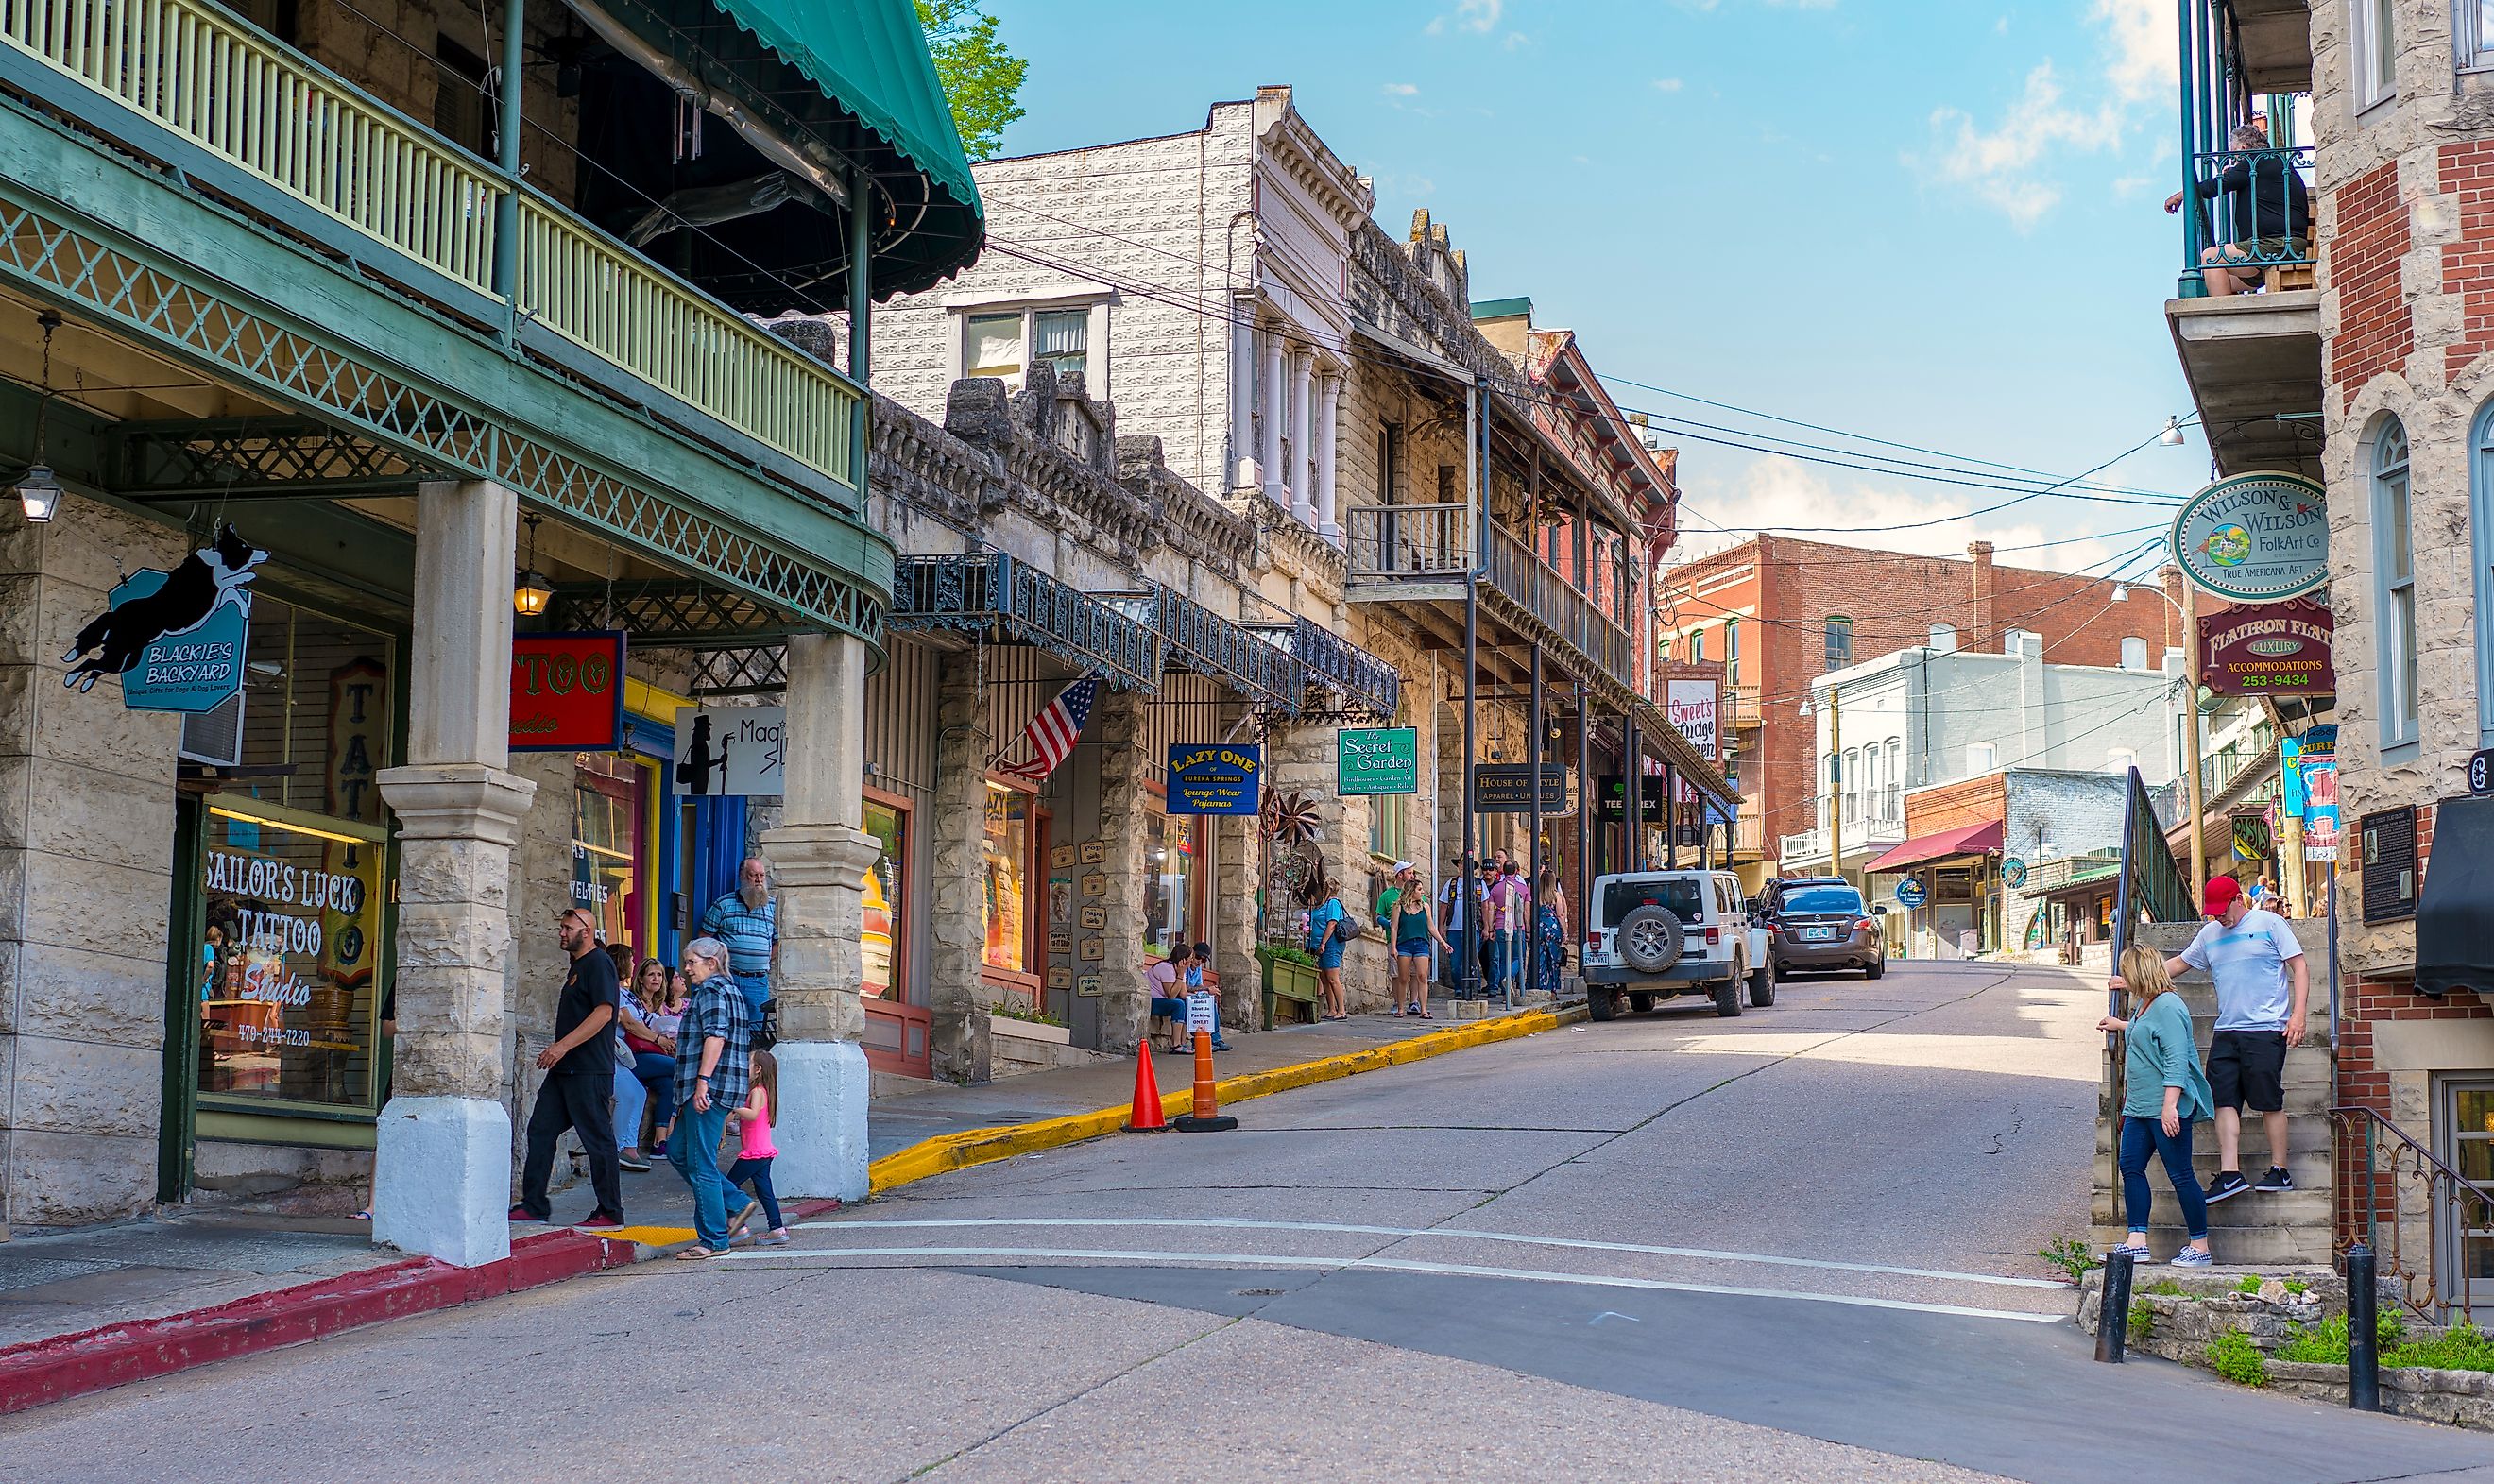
(748, 920)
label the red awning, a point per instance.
(1922, 850)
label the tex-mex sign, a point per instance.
(2269, 649)
(2255, 538)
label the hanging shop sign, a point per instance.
(2317, 759)
(1507, 788)
(2255, 538)
(729, 752)
(1911, 892)
(1377, 760)
(1692, 707)
(1215, 778)
(2481, 772)
(2013, 873)
(177, 639)
(567, 692)
(1614, 796)
(2270, 649)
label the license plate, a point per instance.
(1818, 935)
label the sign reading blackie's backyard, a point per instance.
(2255, 538)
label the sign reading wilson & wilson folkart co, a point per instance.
(2255, 538)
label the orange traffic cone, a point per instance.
(1207, 1117)
(1146, 1118)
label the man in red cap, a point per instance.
(2263, 988)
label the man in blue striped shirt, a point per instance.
(748, 920)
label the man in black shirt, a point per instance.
(580, 1079)
(2265, 213)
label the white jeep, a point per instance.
(1653, 934)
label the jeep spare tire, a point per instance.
(1651, 939)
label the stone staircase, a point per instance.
(2252, 1227)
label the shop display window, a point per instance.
(886, 888)
(606, 844)
(1171, 860)
(1005, 861)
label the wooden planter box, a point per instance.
(1291, 993)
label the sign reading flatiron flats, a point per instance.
(2255, 538)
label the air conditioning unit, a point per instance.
(214, 737)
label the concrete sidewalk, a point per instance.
(171, 1268)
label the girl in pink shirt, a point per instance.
(756, 1151)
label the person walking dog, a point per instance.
(2163, 1091)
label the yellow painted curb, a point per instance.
(948, 1152)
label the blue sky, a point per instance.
(1931, 221)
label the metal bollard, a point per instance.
(2363, 1332)
(2113, 1309)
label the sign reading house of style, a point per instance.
(729, 752)
(1693, 705)
(1215, 778)
(177, 639)
(2255, 538)
(2272, 650)
(568, 692)
(1507, 788)
(1377, 760)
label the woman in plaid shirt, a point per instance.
(714, 1047)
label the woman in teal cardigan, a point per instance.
(2164, 1091)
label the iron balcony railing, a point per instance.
(993, 595)
(1388, 544)
(2248, 209)
(209, 77)
(2427, 1223)
(1408, 540)
(1195, 638)
(1364, 684)
(1535, 585)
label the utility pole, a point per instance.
(2190, 742)
(1835, 783)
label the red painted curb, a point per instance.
(66, 1365)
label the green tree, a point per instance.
(980, 77)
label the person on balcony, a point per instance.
(2267, 214)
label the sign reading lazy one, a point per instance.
(2255, 538)
(1214, 779)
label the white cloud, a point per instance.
(2145, 61)
(1666, 84)
(1479, 16)
(1401, 90)
(1780, 492)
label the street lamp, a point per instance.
(2190, 727)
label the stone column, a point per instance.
(1268, 444)
(1329, 411)
(957, 1047)
(441, 1173)
(820, 858)
(1303, 444)
(1237, 867)
(1125, 827)
(1242, 401)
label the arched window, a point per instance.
(2394, 584)
(2134, 654)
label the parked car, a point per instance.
(1822, 923)
(1650, 935)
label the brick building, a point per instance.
(1779, 612)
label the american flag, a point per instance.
(1051, 736)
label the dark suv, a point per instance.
(1821, 922)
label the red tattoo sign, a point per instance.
(2267, 649)
(567, 692)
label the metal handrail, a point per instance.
(1408, 540)
(1536, 587)
(2394, 1163)
(2233, 189)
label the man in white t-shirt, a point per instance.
(2262, 989)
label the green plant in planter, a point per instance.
(2324, 1344)
(1025, 1016)
(1281, 953)
(2070, 1256)
(2463, 1346)
(2142, 1321)
(2234, 1356)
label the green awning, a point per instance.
(870, 57)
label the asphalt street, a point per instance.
(1795, 1245)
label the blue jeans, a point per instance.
(759, 1172)
(629, 1099)
(693, 1149)
(2138, 1137)
(656, 1070)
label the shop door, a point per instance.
(189, 961)
(897, 1030)
(2464, 1246)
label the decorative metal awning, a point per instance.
(1006, 601)
(1193, 637)
(1359, 685)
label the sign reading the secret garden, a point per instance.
(2255, 538)
(1377, 760)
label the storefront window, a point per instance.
(1168, 915)
(606, 845)
(887, 884)
(1005, 867)
(290, 980)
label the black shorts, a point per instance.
(2247, 1068)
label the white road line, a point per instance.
(1571, 1243)
(835, 1257)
